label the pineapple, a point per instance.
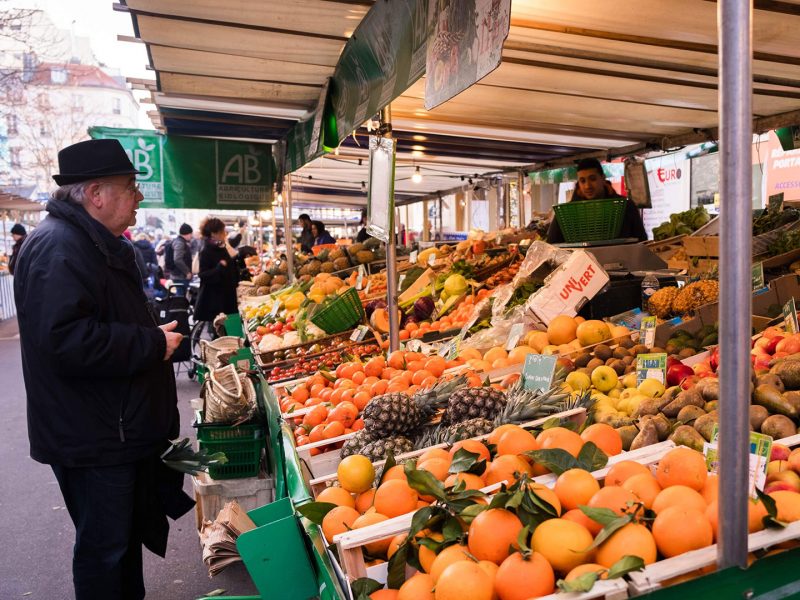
(660, 303)
(469, 403)
(695, 295)
(398, 413)
(356, 443)
(378, 449)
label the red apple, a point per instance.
(790, 477)
(772, 346)
(794, 460)
(776, 466)
(761, 363)
(677, 373)
(713, 360)
(773, 331)
(690, 382)
(788, 344)
(778, 486)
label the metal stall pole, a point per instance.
(287, 227)
(736, 138)
(441, 217)
(521, 199)
(274, 228)
(391, 250)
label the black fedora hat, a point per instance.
(92, 159)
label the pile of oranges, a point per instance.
(454, 320)
(678, 490)
(337, 404)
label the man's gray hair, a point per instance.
(74, 193)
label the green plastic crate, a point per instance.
(242, 445)
(590, 220)
(341, 314)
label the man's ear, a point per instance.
(94, 196)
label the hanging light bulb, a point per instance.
(417, 176)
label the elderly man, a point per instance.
(101, 391)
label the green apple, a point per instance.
(579, 381)
(628, 392)
(652, 388)
(615, 393)
(604, 378)
(629, 381)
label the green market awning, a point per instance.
(184, 172)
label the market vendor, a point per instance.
(593, 185)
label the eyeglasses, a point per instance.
(133, 188)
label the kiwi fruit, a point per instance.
(582, 360)
(594, 363)
(640, 349)
(618, 366)
(687, 352)
(628, 360)
(602, 352)
(657, 350)
(621, 353)
(627, 342)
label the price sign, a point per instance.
(790, 317)
(431, 259)
(451, 349)
(517, 329)
(760, 451)
(537, 374)
(412, 258)
(369, 285)
(275, 308)
(758, 276)
(359, 333)
(362, 272)
(647, 331)
(651, 366)
(414, 345)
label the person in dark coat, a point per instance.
(306, 237)
(101, 398)
(593, 185)
(362, 235)
(218, 274)
(18, 234)
(321, 235)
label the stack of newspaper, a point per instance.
(219, 537)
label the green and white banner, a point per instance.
(185, 172)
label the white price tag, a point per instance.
(359, 333)
(513, 336)
(362, 272)
(412, 258)
(431, 259)
(276, 307)
(366, 289)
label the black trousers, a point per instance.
(107, 558)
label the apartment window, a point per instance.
(15, 157)
(58, 75)
(12, 124)
(116, 106)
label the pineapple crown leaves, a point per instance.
(590, 458)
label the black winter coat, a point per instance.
(12, 261)
(217, 283)
(147, 250)
(99, 392)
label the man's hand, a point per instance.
(173, 339)
(224, 263)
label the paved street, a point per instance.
(37, 534)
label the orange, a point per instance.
(395, 544)
(613, 497)
(358, 377)
(418, 587)
(586, 568)
(494, 353)
(575, 487)
(395, 472)
(678, 529)
(365, 500)
(332, 430)
(447, 557)
(621, 471)
(644, 486)
(416, 365)
(755, 515)
(420, 376)
(315, 416)
(500, 363)
(426, 555)
(710, 489)
(546, 494)
(436, 365)
(679, 495)
(521, 579)
(374, 367)
(562, 330)
(337, 521)
(632, 539)
(434, 453)
(471, 481)
(604, 437)
(495, 436)
(384, 595)
(560, 437)
(682, 466)
(337, 496)
(563, 543)
(394, 498)
(577, 515)
(516, 441)
(436, 466)
(469, 354)
(473, 446)
(356, 473)
(377, 548)
(360, 400)
(397, 360)
(518, 354)
(788, 504)
(503, 468)
(492, 533)
(464, 580)
(315, 435)
(300, 393)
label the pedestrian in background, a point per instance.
(18, 234)
(321, 235)
(101, 398)
(218, 273)
(306, 236)
(180, 269)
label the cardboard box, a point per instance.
(701, 245)
(576, 281)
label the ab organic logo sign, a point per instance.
(243, 173)
(145, 154)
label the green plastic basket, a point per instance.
(590, 220)
(242, 445)
(341, 314)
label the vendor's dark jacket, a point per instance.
(632, 225)
(217, 282)
(12, 262)
(306, 239)
(99, 392)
